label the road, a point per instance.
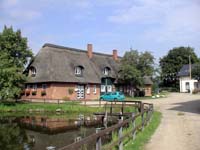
(180, 125)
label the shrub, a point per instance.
(43, 93)
(34, 92)
(70, 91)
(141, 93)
(195, 91)
(66, 98)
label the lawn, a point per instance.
(68, 107)
(143, 137)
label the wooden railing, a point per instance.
(145, 114)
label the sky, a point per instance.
(146, 25)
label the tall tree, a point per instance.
(196, 71)
(173, 61)
(14, 54)
(134, 66)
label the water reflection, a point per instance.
(36, 132)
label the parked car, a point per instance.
(113, 96)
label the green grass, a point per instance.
(68, 107)
(143, 137)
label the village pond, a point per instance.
(38, 131)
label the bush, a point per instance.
(43, 93)
(170, 89)
(66, 98)
(70, 91)
(141, 93)
(195, 91)
(34, 92)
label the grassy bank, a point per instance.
(143, 137)
(69, 107)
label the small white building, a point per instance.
(187, 84)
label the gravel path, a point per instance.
(180, 125)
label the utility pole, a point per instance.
(190, 68)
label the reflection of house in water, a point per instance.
(56, 125)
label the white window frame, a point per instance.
(106, 71)
(78, 70)
(94, 89)
(109, 88)
(103, 88)
(33, 71)
(88, 89)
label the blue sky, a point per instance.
(153, 25)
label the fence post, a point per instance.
(98, 141)
(133, 122)
(122, 108)
(99, 102)
(142, 111)
(148, 116)
(111, 109)
(120, 134)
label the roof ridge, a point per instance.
(75, 49)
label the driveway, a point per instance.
(180, 125)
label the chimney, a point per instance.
(89, 50)
(115, 57)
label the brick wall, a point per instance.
(56, 91)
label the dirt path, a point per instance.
(180, 125)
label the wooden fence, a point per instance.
(145, 114)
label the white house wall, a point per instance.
(184, 80)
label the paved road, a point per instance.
(180, 125)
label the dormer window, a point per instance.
(32, 71)
(78, 70)
(106, 71)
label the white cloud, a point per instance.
(168, 21)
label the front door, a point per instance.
(80, 92)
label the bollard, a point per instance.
(98, 141)
(120, 134)
(133, 122)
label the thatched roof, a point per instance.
(147, 80)
(56, 63)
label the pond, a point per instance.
(38, 131)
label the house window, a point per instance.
(106, 71)
(88, 89)
(95, 89)
(33, 71)
(109, 88)
(103, 88)
(28, 86)
(34, 87)
(78, 70)
(187, 85)
(44, 86)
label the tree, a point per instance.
(134, 66)
(14, 55)
(172, 63)
(196, 71)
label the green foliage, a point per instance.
(134, 66)
(70, 91)
(172, 63)
(196, 71)
(12, 137)
(176, 58)
(143, 137)
(14, 54)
